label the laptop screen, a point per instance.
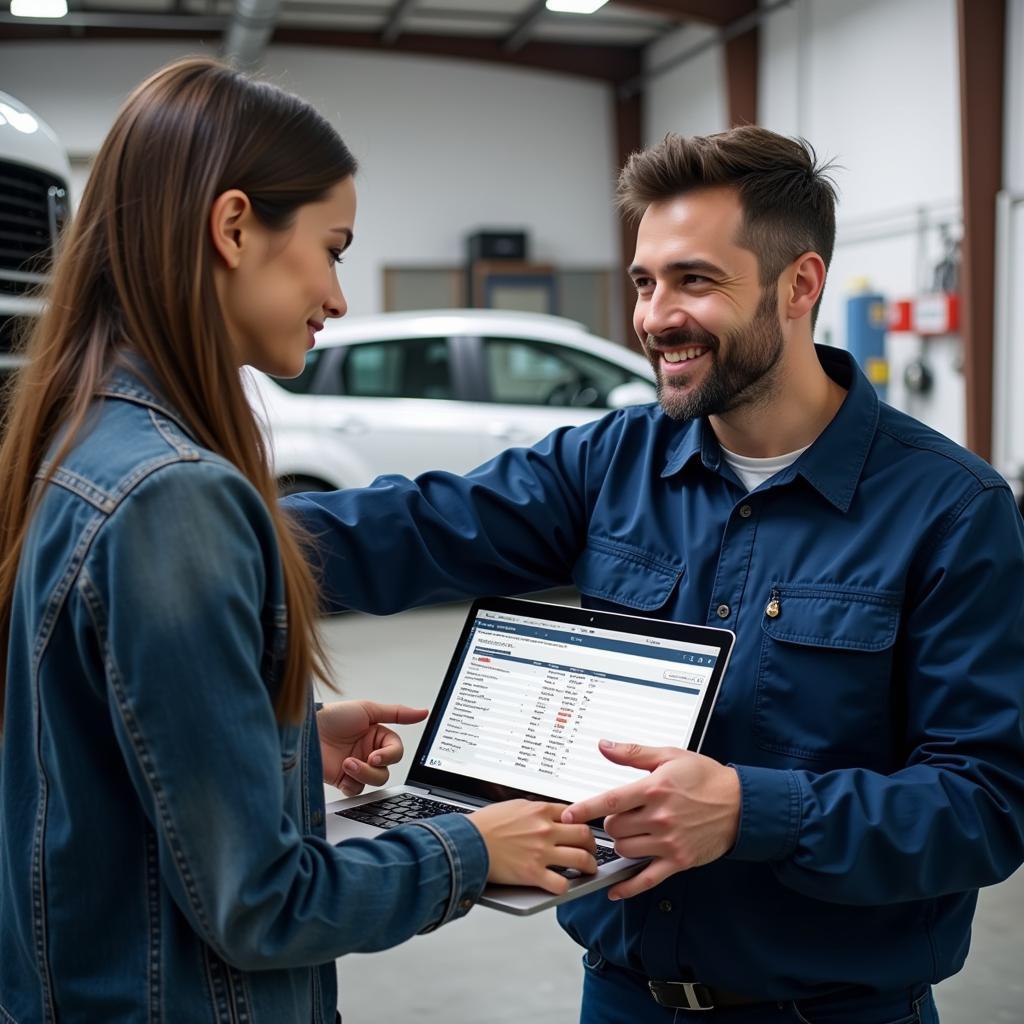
(533, 688)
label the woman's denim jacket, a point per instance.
(162, 851)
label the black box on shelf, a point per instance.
(496, 245)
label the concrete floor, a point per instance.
(490, 968)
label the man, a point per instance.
(863, 772)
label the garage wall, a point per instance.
(690, 98)
(1008, 432)
(873, 85)
(445, 146)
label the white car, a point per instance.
(441, 389)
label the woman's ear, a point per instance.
(230, 219)
(805, 279)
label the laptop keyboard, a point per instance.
(399, 810)
(406, 807)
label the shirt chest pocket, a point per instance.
(824, 675)
(615, 576)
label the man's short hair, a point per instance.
(788, 198)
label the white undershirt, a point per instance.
(754, 472)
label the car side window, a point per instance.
(403, 368)
(302, 384)
(528, 372)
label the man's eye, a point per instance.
(640, 283)
(695, 279)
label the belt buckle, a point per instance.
(697, 996)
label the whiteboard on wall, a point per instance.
(1008, 428)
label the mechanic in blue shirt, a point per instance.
(863, 772)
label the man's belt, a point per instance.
(692, 995)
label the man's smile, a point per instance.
(678, 360)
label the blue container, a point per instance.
(865, 337)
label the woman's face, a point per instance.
(277, 288)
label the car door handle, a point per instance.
(350, 425)
(509, 432)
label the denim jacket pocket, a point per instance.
(824, 675)
(618, 575)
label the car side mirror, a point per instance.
(634, 392)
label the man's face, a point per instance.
(711, 332)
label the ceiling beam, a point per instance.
(710, 12)
(396, 19)
(520, 34)
(120, 25)
(604, 63)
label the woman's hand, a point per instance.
(355, 746)
(524, 838)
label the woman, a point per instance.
(161, 806)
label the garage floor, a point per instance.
(490, 968)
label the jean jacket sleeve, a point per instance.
(952, 818)
(171, 601)
(513, 525)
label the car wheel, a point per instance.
(298, 484)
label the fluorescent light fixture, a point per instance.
(19, 120)
(575, 6)
(39, 8)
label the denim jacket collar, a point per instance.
(131, 378)
(834, 462)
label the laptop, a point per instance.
(530, 690)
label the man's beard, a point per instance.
(744, 375)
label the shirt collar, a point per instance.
(696, 438)
(834, 462)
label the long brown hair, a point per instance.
(135, 273)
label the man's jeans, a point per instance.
(612, 995)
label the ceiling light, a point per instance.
(575, 6)
(39, 8)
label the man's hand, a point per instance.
(684, 814)
(356, 748)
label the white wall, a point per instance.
(1013, 111)
(1008, 432)
(689, 99)
(445, 146)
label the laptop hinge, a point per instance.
(451, 794)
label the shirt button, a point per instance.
(722, 611)
(746, 511)
(665, 906)
(317, 818)
(465, 904)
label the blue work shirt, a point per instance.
(873, 704)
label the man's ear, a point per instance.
(803, 281)
(230, 217)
